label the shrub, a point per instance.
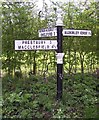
(18, 74)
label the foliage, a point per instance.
(28, 98)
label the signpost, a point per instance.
(66, 32)
(35, 44)
(52, 45)
(49, 32)
(72, 32)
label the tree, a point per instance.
(15, 25)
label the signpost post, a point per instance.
(59, 25)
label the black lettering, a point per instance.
(51, 34)
(43, 34)
(25, 47)
(28, 42)
(23, 42)
(77, 32)
(36, 42)
(42, 46)
(19, 47)
(47, 46)
(84, 33)
(72, 32)
(36, 46)
(67, 32)
(22, 47)
(39, 46)
(33, 46)
(52, 46)
(43, 30)
(41, 42)
(31, 42)
(30, 47)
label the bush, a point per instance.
(18, 74)
(32, 98)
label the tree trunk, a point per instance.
(75, 69)
(34, 63)
(69, 61)
(82, 65)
